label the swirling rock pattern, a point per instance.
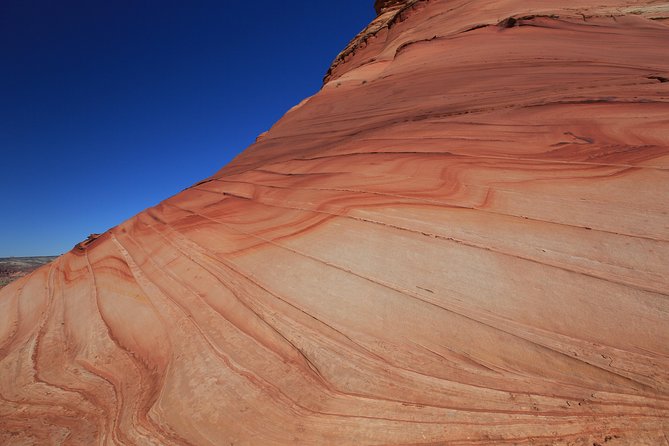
(462, 239)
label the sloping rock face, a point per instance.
(462, 239)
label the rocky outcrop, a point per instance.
(462, 239)
(388, 12)
(382, 6)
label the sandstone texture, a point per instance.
(462, 239)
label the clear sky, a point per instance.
(108, 107)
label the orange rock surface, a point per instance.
(462, 239)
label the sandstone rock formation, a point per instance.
(462, 239)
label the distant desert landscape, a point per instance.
(12, 268)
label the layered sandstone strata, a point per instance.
(462, 239)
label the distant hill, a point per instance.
(12, 268)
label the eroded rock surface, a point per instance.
(462, 239)
(383, 5)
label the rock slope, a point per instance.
(462, 239)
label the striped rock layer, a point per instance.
(462, 239)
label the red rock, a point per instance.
(463, 238)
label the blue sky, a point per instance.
(108, 107)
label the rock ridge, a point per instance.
(382, 6)
(388, 12)
(461, 239)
